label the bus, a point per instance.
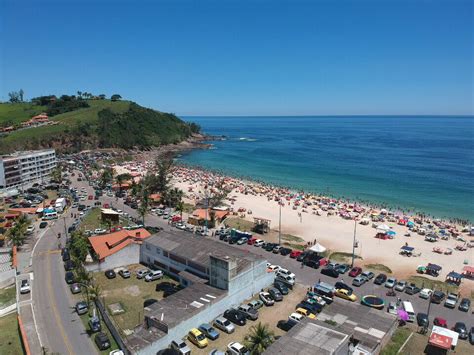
(408, 307)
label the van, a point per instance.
(154, 275)
(408, 307)
(50, 215)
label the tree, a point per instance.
(17, 233)
(14, 96)
(180, 208)
(144, 203)
(56, 175)
(79, 246)
(173, 197)
(259, 338)
(102, 96)
(121, 178)
(21, 93)
(106, 177)
(79, 94)
(115, 97)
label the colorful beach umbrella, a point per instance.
(402, 314)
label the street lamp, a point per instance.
(354, 242)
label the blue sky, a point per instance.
(246, 57)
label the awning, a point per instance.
(383, 228)
(318, 248)
(406, 248)
(454, 275)
(469, 269)
(443, 337)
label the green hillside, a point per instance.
(104, 123)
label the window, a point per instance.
(197, 266)
(148, 246)
(158, 250)
(177, 258)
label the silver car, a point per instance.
(392, 308)
(181, 347)
(400, 286)
(390, 283)
(224, 325)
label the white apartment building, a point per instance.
(23, 169)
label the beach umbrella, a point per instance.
(383, 228)
(402, 314)
(391, 233)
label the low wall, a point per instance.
(126, 256)
(7, 278)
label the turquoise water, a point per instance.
(414, 163)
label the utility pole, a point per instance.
(279, 224)
(65, 228)
(354, 243)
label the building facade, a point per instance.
(23, 169)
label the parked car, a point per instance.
(266, 299)
(274, 268)
(94, 324)
(25, 287)
(296, 317)
(437, 296)
(224, 324)
(280, 286)
(275, 294)
(196, 337)
(69, 277)
(235, 316)
(43, 225)
(125, 273)
(258, 243)
(102, 341)
(81, 307)
(400, 286)
(255, 304)
(451, 301)
(340, 284)
(302, 256)
(110, 274)
(286, 325)
(342, 268)
(359, 280)
(311, 263)
(241, 241)
(285, 251)
(75, 288)
(180, 347)
(345, 294)
(355, 271)
(154, 275)
(209, 331)
(235, 348)
(461, 329)
(149, 302)
(464, 305)
(68, 265)
(440, 322)
(142, 273)
(295, 253)
(425, 293)
(330, 272)
(412, 289)
(313, 307)
(390, 283)
(305, 313)
(471, 336)
(251, 313)
(276, 249)
(392, 308)
(422, 320)
(369, 275)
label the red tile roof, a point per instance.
(108, 244)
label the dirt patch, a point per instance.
(132, 291)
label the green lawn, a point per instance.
(425, 282)
(10, 342)
(342, 257)
(239, 223)
(7, 295)
(379, 267)
(131, 293)
(399, 337)
(19, 112)
(93, 220)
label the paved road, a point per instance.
(60, 328)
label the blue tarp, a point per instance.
(408, 248)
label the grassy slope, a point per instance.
(19, 112)
(10, 342)
(18, 139)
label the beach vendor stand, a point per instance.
(454, 278)
(406, 250)
(433, 269)
(421, 269)
(468, 272)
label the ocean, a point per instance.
(423, 164)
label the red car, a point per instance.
(106, 205)
(295, 253)
(251, 241)
(90, 197)
(440, 322)
(355, 271)
(323, 262)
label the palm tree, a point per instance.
(17, 233)
(106, 176)
(259, 338)
(121, 178)
(56, 175)
(144, 203)
(180, 208)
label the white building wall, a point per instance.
(128, 255)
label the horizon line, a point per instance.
(350, 115)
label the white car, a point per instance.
(154, 275)
(285, 272)
(266, 299)
(258, 243)
(25, 286)
(181, 226)
(392, 308)
(426, 293)
(30, 229)
(142, 273)
(390, 283)
(274, 268)
(116, 352)
(400, 286)
(296, 317)
(235, 348)
(180, 347)
(224, 324)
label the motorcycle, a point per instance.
(391, 293)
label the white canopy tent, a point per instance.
(318, 248)
(383, 228)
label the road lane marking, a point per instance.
(55, 311)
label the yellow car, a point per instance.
(197, 338)
(345, 294)
(305, 312)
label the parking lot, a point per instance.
(267, 315)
